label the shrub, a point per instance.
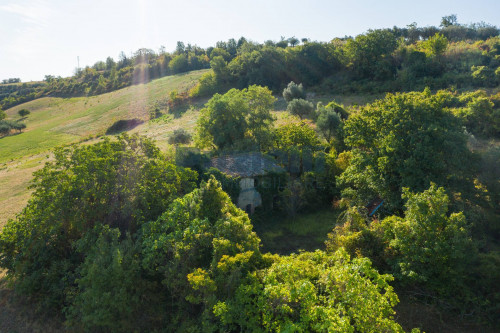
(300, 108)
(294, 91)
(23, 112)
(180, 136)
(483, 76)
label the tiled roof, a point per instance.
(245, 164)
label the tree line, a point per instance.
(378, 61)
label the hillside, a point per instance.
(61, 121)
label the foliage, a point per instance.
(479, 114)
(237, 119)
(294, 91)
(180, 136)
(369, 54)
(23, 112)
(436, 45)
(202, 237)
(229, 184)
(428, 249)
(110, 290)
(312, 292)
(300, 108)
(429, 246)
(295, 135)
(483, 76)
(389, 56)
(329, 121)
(358, 237)
(120, 183)
(404, 140)
(207, 86)
(7, 125)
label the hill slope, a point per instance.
(60, 121)
(57, 121)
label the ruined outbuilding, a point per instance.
(249, 167)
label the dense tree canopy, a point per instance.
(404, 140)
(119, 183)
(237, 119)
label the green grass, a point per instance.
(284, 235)
(60, 121)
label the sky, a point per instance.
(45, 37)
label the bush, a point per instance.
(300, 108)
(483, 76)
(294, 91)
(180, 136)
(4, 128)
(7, 125)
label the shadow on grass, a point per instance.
(284, 235)
(20, 314)
(123, 125)
(11, 134)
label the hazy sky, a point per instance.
(39, 37)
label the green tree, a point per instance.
(3, 115)
(329, 121)
(23, 113)
(404, 140)
(111, 288)
(436, 45)
(121, 183)
(294, 91)
(178, 64)
(430, 246)
(296, 135)
(200, 249)
(219, 66)
(237, 119)
(300, 108)
(448, 20)
(370, 54)
(313, 292)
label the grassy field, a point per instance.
(57, 121)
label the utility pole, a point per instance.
(78, 60)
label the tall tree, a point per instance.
(237, 119)
(404, 140)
